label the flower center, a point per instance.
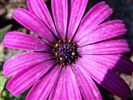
(65, 52)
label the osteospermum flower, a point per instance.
(71, 50)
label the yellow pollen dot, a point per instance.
(69, 41)
(61, 58)
(63, 64)
(56, 45)
(73, 53)
(59, 41)
(56, 53)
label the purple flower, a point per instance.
(71, 50)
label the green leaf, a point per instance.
(0, 64)
(4, 30)
(2, 82)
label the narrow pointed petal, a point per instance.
(116, 46)
(22, 61)
(105, 77)
(31, 22)
(39, 8)
(87, 86)
(42, 89)
(107, 30)
(26, 78)
(94, 17)
(67, 87)
(117, 62)
(19, 40)
(77, 9)
(60, 15)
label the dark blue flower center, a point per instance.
(65, 52)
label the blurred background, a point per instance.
(123, 9)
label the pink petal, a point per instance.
(31, 22)
(106, 77)
(19, 40)
(60, 15)
(88, 88)
(67, 87)
(26, 78)
(23, 61)
(93, 18)
(107, 30)
(39, 8)
(42, 89)
(106, 47)
(77, 8)
(115, 62)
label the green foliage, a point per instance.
(2, 83)
(5, 94)
(4, 30)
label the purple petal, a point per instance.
(23, 61)
(26, 78)
(42, 89)
(94, 17)
(60, 15)
(115, 62)
(88, 88)
(19, 40)
(106, 77)
(67, 87)
(107, 30)
(77, 9)
(31, 22)
(106, 47)
(39, 8)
